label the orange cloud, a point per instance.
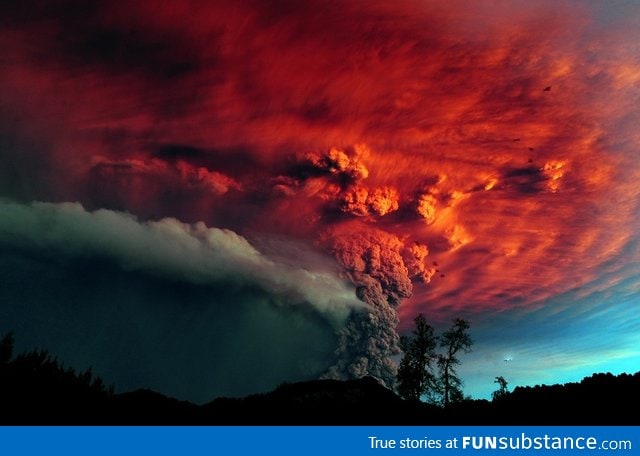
(526, 114)
(427, 207)
(358, 200)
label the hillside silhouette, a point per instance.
(36, 389)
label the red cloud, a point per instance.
(537, 188)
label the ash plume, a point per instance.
(373, 261)
(168, 248)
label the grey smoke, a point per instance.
(168, 248)
(369, 340)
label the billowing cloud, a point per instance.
(348, 164)
(427, 207)
(168, 275)
(417, 263)
(373, 262)
(361, 201)
(171, 249)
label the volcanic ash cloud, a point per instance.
(168, 248)
(373, 260)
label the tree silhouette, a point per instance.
(415, 376)
(454, 340)
(502, 390)
(41, 373)
(414, 372)
(6, 349)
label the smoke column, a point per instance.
(373, 262)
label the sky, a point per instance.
(212, 198)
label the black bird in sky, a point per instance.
(547, 89)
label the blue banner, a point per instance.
(298, 441)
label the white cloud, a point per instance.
(168, 248)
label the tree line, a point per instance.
(41, 369)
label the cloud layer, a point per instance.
(114, 288)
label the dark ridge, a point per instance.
(319, 402)
(36, 389)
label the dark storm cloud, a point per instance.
(527, 179)
(81, 35)
(24, 173)
(179, 151)
(34, 11)
(189, 310)
(231, 160)
(193, 342)
(129, 50)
